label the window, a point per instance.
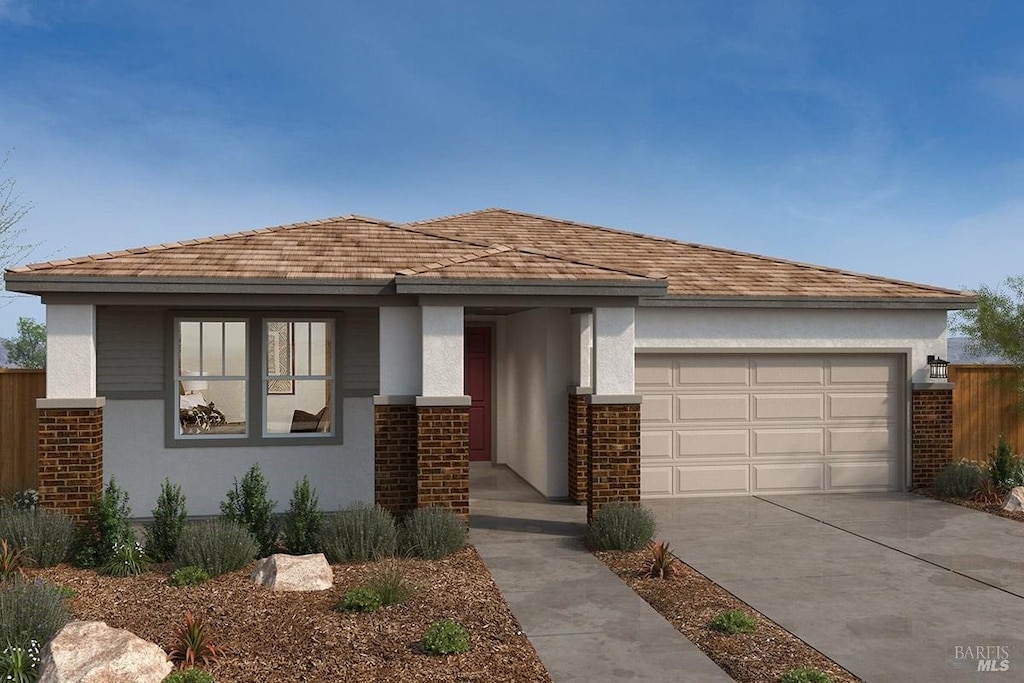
(283, 390)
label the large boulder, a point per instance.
(294, 573)
(1015, 501)
(92, 652)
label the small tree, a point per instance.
(12, 210)
(28, 349)
(996, 326)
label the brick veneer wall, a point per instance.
(613, 472)
(70, 459)
(931, 432)
(443, 458)
(578, 448)
(394, 461)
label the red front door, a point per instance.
(478, 386)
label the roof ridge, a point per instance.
(696, 245)
(166, 246)
(456, 260)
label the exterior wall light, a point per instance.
(938, 367)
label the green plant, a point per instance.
(126, 559)
(987, 493)
(733, 621)
(622, 526)
(1005, 469)
(216, 547)
(189, 576)
(805, 674)
(192, 675)
(362, 599)
(304, 521)
(193, 644)
(30, 610)
(433, 533)
(389, 583)
(106, 525)
(20, 664)
(445, 637)
(959, 479)
(247, 504)
(359, 533)
(169, 519)
(46, 537)
(25, 499)
(661, 564)
(11, 559)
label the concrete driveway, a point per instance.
(891, 586)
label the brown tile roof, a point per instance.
(492, 244)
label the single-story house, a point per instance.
(380, 359)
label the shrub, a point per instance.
(805, 674)
(622, 526)
(216, 547)
(127, 559)
(192, 675)
(106, 525)
(193, 644)
(25, 499)
(661, 564)
(46, 537)
(169, 519)
(11, 559)
(733, 621)
(959, 479)
(189, 576)
(20, 664)
(247, 504)
(30, 610)
(362, 599)
(433, 533)
(445, 637)
(390, 585)
(304, 521)
(359, 533)
(1005, 469)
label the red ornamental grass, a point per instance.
(194, 646)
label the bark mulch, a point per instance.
(990, 508)
(299, 636)
(689, 600)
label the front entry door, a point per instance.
(478, 386)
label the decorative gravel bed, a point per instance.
(689, 600)
(991, 508)
(298, 636)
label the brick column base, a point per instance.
(931, 431)
(578, 446)
(442, 445)
(70, 456)
(613, 472)
(394, 457)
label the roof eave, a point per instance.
(942, 303)
(32, 283)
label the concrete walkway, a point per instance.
(891, 586)
(585, 623)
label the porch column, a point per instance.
(70, 447)
(581, 387)
(394, 409)
(931, 430)
(613, 469)
(443, 412)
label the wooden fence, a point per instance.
(19, 422)
(986, 403)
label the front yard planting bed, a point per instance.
(272, 636)
(689, 601)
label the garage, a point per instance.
(774, 423)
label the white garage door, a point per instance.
(714, 424)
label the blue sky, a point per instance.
(879, 137)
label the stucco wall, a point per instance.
(534, 370)
(134, 451)
(918, 332)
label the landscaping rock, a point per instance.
(294, 573)
(92, 652)
(1015, 501)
